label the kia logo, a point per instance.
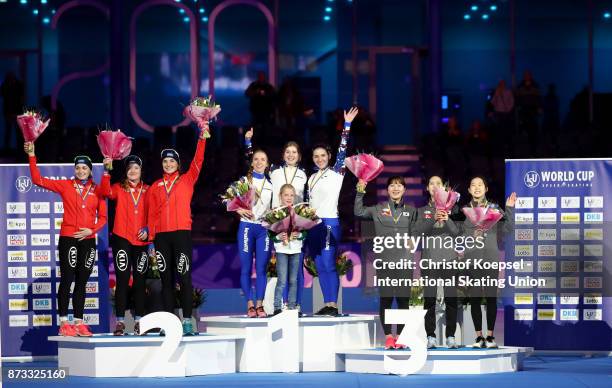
(121, 260)
(161, 261)
(23, 184)
(531, 179)
(72, 257)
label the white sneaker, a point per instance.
(479, 343)
(490, 343)
(451, 343)
(285, 306)
(431, 342)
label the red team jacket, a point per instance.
(131, 211)
(79, 212)
(171, 212)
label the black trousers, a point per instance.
(129, 260)
(77, 259)
(173, 252)
(489, 293)
(450, 302)
(385, 303)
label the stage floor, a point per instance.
(542, 371)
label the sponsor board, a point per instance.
(16, 208)
(41, 304)
(593, 282)
(547, 266)
(523, 315)
(547, 250)
(593, 218)
(569, 266)
(569, 314)
(41, 256)
(523, 218)
(547, 234)
(16, 224)
(546, 315)
(19, 321)
(547, 202)
(38, 240)
(593, 234)
(526, 268)
(549, 282)
(523, 234)
(17, 272)
(572, 299)
(570, 202)
(570, 234)
(570, 282)
(41, 272)
(592, 298)
(570, 250)
(524, 203)
(523, 298)
(17, 288)
(42, 320)
(18, 304)
(547, 298)
(40, 223)
(523, 250)
(16, 240)
(592, 314)
(547, 218)
(593, 250)
(593, 202)
(17, 256)
(570, 218)
(41, 288)
(40, 208)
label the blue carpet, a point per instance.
(548, 371)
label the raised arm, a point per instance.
(361, 211)
(341, 154)
(198, 159)
(54, 185)
(508, 220)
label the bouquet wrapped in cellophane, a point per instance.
(201, 111)
(278, 220)
(239, 195)
(114, 144)
(304, 217)
(32, 124)
(365, 166)
(445, 199)
(484, 218)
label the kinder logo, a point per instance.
(523, 218)
(593, 218)
(523, 250)
(91, 288)
(121, 261)
(161, 261)
(523, 298)
(40, 239)
(19, 321)
(92, 303)
(182, 266)
(570, 250)
(593, 250)
(41, 256)
(72, 257)
(15, 208)
(593, 234)
(547, 266)
(531, 179)
(41, 272)
(39, 208)
(569, 314)
(570, 282)
(547, 218)
(17, 257)
(593, 202)
(42, 320)
(592, 282)
(91, 319)
(547, 298)
(570, 234)
(547, 234)
(546, 315)
(41, 288)
(40, 223)
(58, 207)
(593, 299)
(58, 223)
(23, 184)
(569, 266)
(42, 304)
(16, 240)
(18, 304)
(524, 203)
(90, 258)
(547, 250)
(523, 315)
(547, 202)
(570, 202)
(523, 234)
(549, 282)
(592, 314)
(17, 288)
(16, 224)
(17, 272)
(143, 263)
(570, 299)
(570, 218)
(593, 266)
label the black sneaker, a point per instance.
(323, 311)
(137, 328)
(119, 329)
(490, 343)
(277, 311)
(479, 343)
(332, 312)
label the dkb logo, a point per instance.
(23, 184)
(531, 179)
(121, 260)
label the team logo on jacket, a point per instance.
(161, 261)
(143, 263)
(121, 261)
(23, 184)
(182, 266)
(90, 258)
(72, 257)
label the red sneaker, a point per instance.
(251, 313)
(390, 343)
(261, 313)
(399, 346)
(67, 330)
(82, 330)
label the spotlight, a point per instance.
(607, 15)
(326, 18)
(23, 1)
(328, 9)
(181, 11)
(43, 1)
(35, 11)
(474, 7)
(202, 10)
(186, 19)
(493, 7)
(46, 20)
(205, 19)
(485, 16)
(467, 16)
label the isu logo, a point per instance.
(23, 184)
(161, 261)
(143, 263)
(121, 261)
(183, 264)
(90, 258)
(531, 179)
(72, 257)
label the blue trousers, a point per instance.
(300, 282)
(323, 242)
(287, 270)
(253, 239)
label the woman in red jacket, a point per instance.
(169, 221)
(129, 237)
(84, 216)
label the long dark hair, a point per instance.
(249, 174)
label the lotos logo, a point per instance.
(121, 261)
(161, 261)
(17, 256)
(182, 266)
(41, 272)
(531, 179)
(592, 299)
(72, 257)
(92, 303)
(143, 263)
(23, 184)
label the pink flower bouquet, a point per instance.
(114, 144)
(365, 166)
(32, 125)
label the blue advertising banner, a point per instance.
(29, 263)
(563, 236)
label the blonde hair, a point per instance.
(286, 186)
